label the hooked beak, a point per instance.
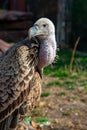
(35, 31)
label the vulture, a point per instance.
(21, 68)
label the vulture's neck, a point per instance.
(47, 51)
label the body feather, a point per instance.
(17, 69)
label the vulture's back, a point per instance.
(17, 80)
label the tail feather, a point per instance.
(14, 119)
(6, 123)
(10, 122)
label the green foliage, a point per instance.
(74, 97)
(83, 82)
(55, 83)
(47, 70)
(39, 120)
(85, 88)
(60, 73)
(61, 67)
(62, 93)
(42, 121)
(27, 120)
(69, 82)
(69, 85)
(45, 94)
(74, 76)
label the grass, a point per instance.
(83, 82)
(74, 76)
(62, 93)
(42, 121)
(74, 97)
(61, 73)
(45, 94)
(61, 67)
(85, 88)
(61, 70)
(69, 85)
(55, 83)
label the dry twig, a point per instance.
(73, 53)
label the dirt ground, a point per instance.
(65, 111)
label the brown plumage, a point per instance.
(17, 76)
(21, 71)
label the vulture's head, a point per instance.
(42, 28)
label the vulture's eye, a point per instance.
(45, 25)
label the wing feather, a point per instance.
(17, 68)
